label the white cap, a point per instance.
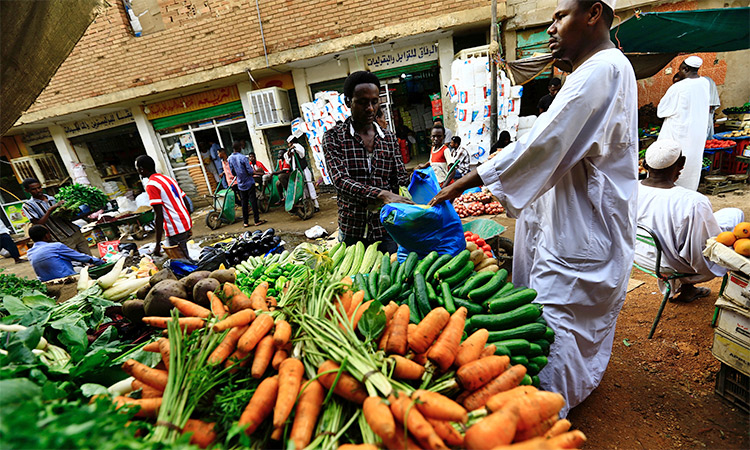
(662, 154)
(693, 61)
(290, 138)
(610, 3)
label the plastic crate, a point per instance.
(733, 386)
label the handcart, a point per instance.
(490, 231)
(134, 224)
(223, 208)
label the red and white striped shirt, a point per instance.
(164, 191)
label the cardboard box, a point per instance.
(738, 289)
(731, 353)
(734, 321)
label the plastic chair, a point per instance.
(648, 237)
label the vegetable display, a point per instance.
(78, 195)
(12, 285)
(718, 143)
(477, 204)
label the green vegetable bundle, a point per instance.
(12, 285)
(79, 195)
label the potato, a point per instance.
(190, 281)
(470, 246)
(143, 292)
(157, 301)
(201, 288)
(224, 275)
(477, 256)
(133, 310)
(163, 274)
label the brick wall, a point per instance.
(206, 34)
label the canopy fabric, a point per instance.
(37, 37)
(707, 30)
(645, 65)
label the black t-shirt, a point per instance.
(544, 102)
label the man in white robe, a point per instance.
(682, 219)
(573, 186)
(713, 104)
(685, 110)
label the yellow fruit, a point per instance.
(726, 237)
(742, 230)
(742, 246)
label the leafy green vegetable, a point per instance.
(13, 285)
(79, 195)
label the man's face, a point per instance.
(437, 137)
(365, 103)
(252, 159)
(223, 154)
(35, 189)
(567, 30)
(682, 72)
(553, 90)
(453, 145)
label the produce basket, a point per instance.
(490, 231)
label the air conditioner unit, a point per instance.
(271, 107)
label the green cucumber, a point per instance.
(519, 359)
(431, 294)
(549, 335)
(450, 306)
(494, 284)
(393, 270)
(426, 262)
(515, 346)
(403, 296)
(385, 265)
(414, 316)
(461, 275)
(472, 308)
(532, 369)
(372, 283)
(540, 361)
(439, 263)
(529, 331)
(410, 264)
(526, 381)
(389, 294)
(512, 301)
(346, 263)
(501, 350)
(457, 264)
(535, 381)
(335, 249)
(384, 283)
(368, 260)
(420, 290)
(534, 350)
(541, 320)
(544, 346)
(400, 273)
(477, 279)
(507, 287)
(511, 319)
(359, 257)
(360, 280)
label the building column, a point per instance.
(300, 86)
(84, 156)
(445, 59)
(150, 140)
(260, 147)
(64, 148)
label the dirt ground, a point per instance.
(656, 393)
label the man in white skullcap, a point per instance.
(685, 109)
(681, 218)
(573, 185)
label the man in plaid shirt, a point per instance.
(365, 165)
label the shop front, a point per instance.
(189, 127)
(410, 93)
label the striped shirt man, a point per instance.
(164, 191)
(60, 229)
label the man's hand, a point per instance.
(423, 166)
(389, 197)
(468, 181)
(57, 205)
(445, 194)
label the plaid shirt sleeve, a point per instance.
(334, 151)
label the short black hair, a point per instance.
(237, 146)
(146, 162)
(28, 182)
(554, 81)
(438, 127)
(607, 14)
(456, 139)
(38, 232)
(357, 78)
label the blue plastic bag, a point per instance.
(422, 230)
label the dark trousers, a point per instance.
(253, 198)
(7, 243)
(387, 244)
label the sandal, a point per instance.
(696, 294)
(246, 225)
(260, 222)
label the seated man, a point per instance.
(261, 175)
(681, 218)
(51, 259)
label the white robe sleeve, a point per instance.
(569, 131)
(700, 226)
(668, 105)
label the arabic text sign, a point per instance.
(98, 123)
(403, 57)
(192, 102)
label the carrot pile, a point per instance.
(334, 370)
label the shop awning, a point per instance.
(194, 116)
(707, 30)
